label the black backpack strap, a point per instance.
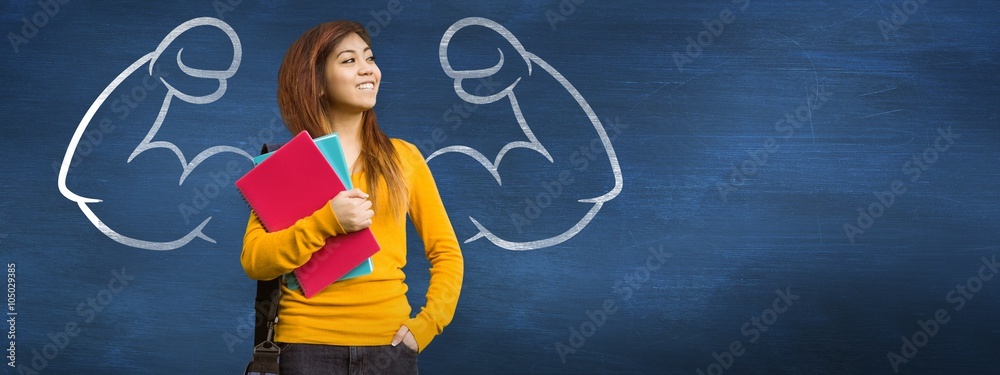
(268, 293)
(266, 307)
(268, 147)
(265, 351)
(265, 360)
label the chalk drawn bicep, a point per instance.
(529, 141)
(149, 60)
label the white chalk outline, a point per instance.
(147, 142)
(532, 143)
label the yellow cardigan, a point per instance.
(367, 310)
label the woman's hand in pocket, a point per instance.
(406, 337)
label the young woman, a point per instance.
(328, 82)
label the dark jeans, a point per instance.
(309, 359)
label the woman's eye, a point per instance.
(371, 58)
(348, 61)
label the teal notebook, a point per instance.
(331, 148)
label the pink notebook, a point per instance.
(292, 184)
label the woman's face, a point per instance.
(352, 78)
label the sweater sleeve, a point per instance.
(269, 255)
(441, 247)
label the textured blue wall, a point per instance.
(795, 187)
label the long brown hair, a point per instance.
(300, 80)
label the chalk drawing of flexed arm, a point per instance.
(531, 142)
(148, 142)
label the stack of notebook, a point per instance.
(292, 183)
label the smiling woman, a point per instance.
(352, 77)
(328, 82)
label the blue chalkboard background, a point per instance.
(805, 187)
